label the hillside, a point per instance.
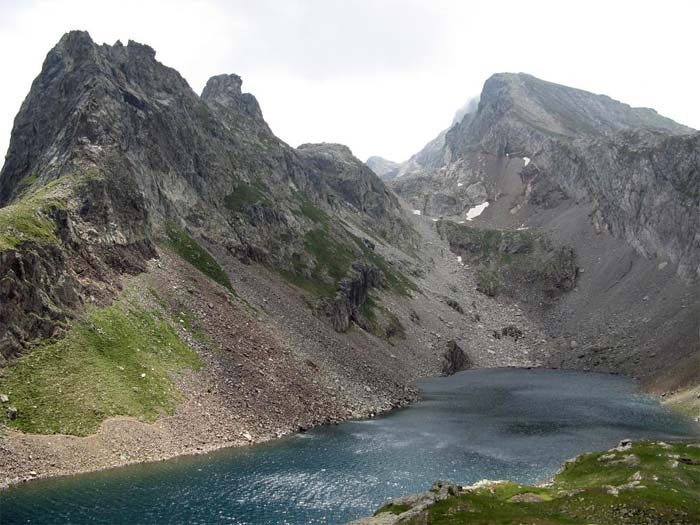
(616, 184)
(176, 279)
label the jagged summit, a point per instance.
(131, 149)
(226, 91)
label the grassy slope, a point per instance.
(506, 259)
(117, 360)
(29, 218)
(187, 248)
(669, 492)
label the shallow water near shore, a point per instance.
(496, 424)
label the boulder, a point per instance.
(454, 359)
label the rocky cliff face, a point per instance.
(579, 145)
(126, 147)
(617, 184)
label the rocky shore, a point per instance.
(633, 483)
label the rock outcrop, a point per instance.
(352, 295)
(454, 359)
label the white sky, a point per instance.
(381, 76)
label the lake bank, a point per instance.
(496, 424)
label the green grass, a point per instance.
(578, 494)
(309, 210)
(332, 262)
(26, 183)
(29, 218)
(246, 194)
(117, 360)
(506, 261)
(332, 257)
(188, 320)
(197, 256)
(395, 280)
(24, 222)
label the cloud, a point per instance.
(382, 76)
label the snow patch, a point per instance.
(476, 210)
(416, 212)
(526, 160)
(459, 184)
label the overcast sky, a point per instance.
(381, 76)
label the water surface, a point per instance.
(495, 424)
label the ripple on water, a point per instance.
(516, 424)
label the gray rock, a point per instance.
(454, 359)
(155, 151)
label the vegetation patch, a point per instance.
(514, 263)
(395, 279)
(309, 210)
(380, 321)
(246, 194)
(331, 262)
(188, 320)
(23, 222)
(190, 250)
(116, 361)
(30, 218)
(661, 485)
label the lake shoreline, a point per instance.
(504, 423)
(119, 425)
(124, 423)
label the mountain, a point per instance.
(175, 278)
(126, 139)
(617, 184)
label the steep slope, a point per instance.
(618, 184)
(174, 278)
(128, 147)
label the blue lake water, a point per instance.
(495, 424)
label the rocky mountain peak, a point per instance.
(349, 177)
(223, 88)
(563, 110)
(331, 149)
(225, 91)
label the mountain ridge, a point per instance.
(304, 289)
